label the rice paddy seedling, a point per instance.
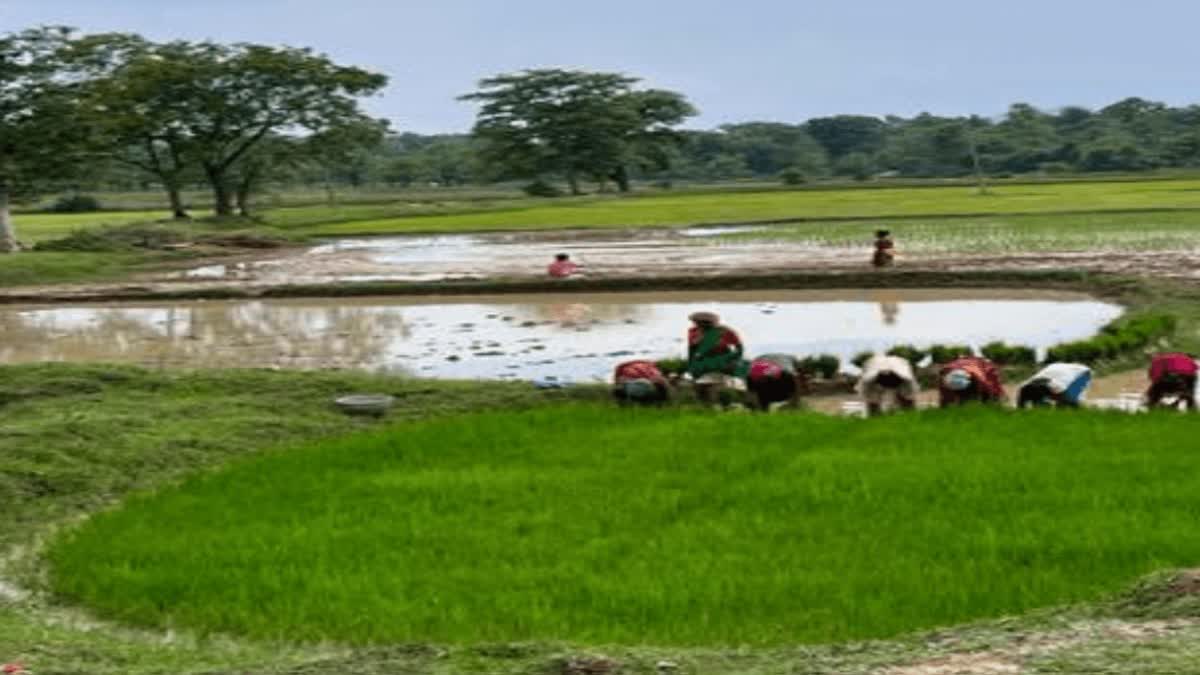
(603, 526)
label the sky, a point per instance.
(736, 60)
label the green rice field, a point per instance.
(602, 526)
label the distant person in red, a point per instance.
(969, 379)
(640, 382)
(562, 267)
(885, 249)
(1172, 375)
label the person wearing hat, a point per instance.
(1172, 375)
(887, 376)
(885, 249)
(714, 354)
(775, 378)
(969, 379)
(640, 382)
(1059, 384)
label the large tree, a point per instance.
(42, 133)
(575, 124)
(207, 104)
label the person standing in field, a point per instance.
(1172, 375)
(969, 379)
(885, 249)
(886, 377)
(714, 354)
(640, 382)
(562, 267)
(775, 378)
(1059, 384)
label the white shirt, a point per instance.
(1060, 375)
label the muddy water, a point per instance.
(571, 337)
(430, 258)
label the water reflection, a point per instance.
(571, 337)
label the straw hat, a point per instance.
(704, 317)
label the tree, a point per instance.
(213, 104)
(341, 146)
(843, 134)
(140, 102)
(42, 130)
(770, 147)
(575, 124)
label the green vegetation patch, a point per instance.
(648, 527)
(700, 208)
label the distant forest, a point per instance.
(1130, 136)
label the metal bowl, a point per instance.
(364, 404)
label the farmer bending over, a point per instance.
(714, 354)
(1172, 375)
(969, 379)
(562, 267)
(885, 376)
(1059, 384)
(775, 378)
(640, 382)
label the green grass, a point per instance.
(605, 526)
(1097, 232)
(690, 209)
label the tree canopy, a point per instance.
(575, 124)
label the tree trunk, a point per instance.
(222, 199)
(621, 178)
(980, 180)
(8, 236)
(178, 212)
(573, 181)
(243, 197)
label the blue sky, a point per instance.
(776, 60)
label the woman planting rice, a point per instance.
(714, 354)
(969, 379)
(1059, 384)
(1172, 375)
(640, 382)
(887, 377)
(775, 378)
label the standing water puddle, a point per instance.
(431, 258)
(569, 337)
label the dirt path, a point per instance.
(1012, 658)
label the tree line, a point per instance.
(120, 110)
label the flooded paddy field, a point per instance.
(697, 252)
(565, 337)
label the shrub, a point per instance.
(908, 353)
(1003, 354)
(825, 365)
(540, 188)
(947, 353)
(75, 204)
(1116, 339)
(1055, 168)
(861, 358)
(671, 366)
(108, 239)
(792, 176)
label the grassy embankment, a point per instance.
(1123, 215)
(76, 438)
(597, 525)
